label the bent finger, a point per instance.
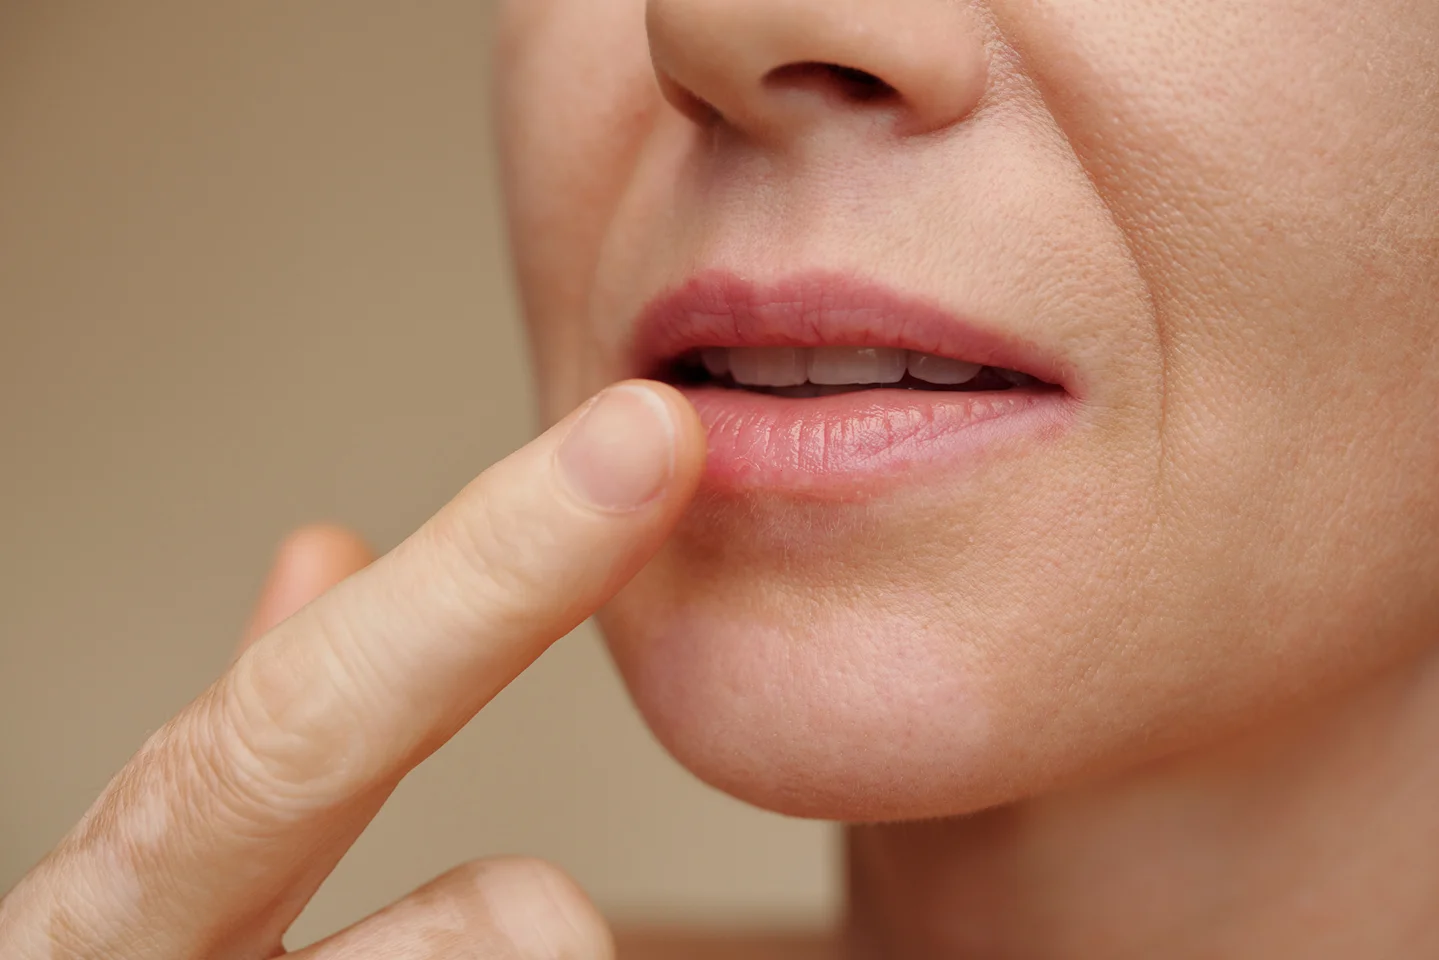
(308, 562)
(510, 909)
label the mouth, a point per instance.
(821, 385)
(802, 373)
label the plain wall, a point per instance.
(252, 275)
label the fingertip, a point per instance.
(631, 447)
(691, 445)
(308, 561)
(323, 548)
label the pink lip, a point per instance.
(842, 446)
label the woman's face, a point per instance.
(1210, 229)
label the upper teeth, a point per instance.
(793, 366)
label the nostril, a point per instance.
(856, 86)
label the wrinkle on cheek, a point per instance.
(1259, 158)
(1221, 129)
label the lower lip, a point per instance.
(849, 445)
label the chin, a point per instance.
(799, 719)
(859, 685)
(854, 664)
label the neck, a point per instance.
(1315, 837)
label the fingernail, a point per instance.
(620, 454)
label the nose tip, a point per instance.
(773, 68)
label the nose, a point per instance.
(774, 68)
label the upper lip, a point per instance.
(718, 309)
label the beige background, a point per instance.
(251, 275)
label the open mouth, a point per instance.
(823, 385)
(805, 372)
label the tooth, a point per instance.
(942, 370)
(845, 365)
(769, 366)
(716, 361)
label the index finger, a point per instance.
(251, 794)
(394, 660)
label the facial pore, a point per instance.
(1224, 216)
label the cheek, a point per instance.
(575, 100)
(977, 645)
(1269, 162)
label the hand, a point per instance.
(216, 834)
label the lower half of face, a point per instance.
(1213, 497)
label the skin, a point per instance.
(1174, 667)
(1163, 684)
(351, 671)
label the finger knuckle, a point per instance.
(283, 731)
(539, 910)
